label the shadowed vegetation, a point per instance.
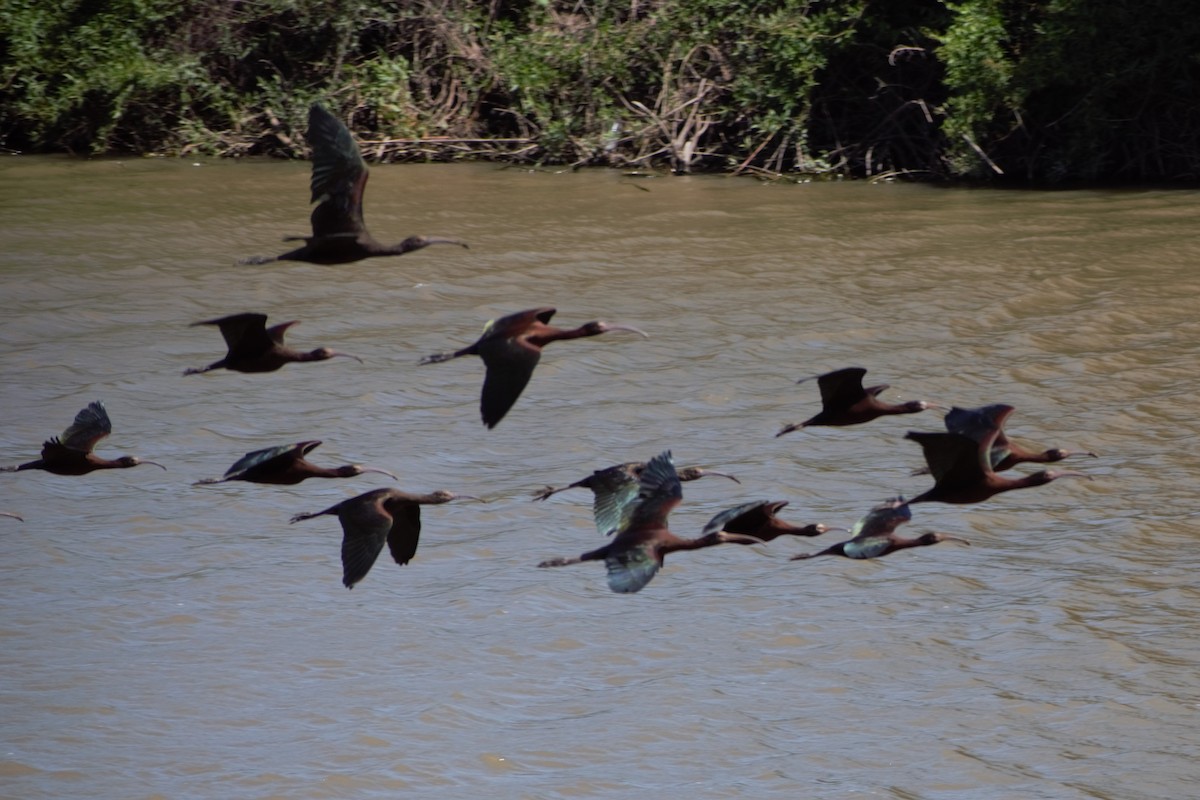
(1026, 90)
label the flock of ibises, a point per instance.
(632, 501)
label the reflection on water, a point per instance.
(167, 640)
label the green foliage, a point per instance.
(1043, 89)
(975, 50)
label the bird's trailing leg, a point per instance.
(202, 370)
(438, 358)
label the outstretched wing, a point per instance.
(510, 364)
(339, 176)
(629, 570)
(747, 518)
(866, 547)
(842, 388)
(659, 492)
(90, 426)
(882, 520)
(405, 533)
(243, 333)
(365, 527)
(260, 458)
(954, 460)
(616, 492)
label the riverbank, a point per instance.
(1041, 91)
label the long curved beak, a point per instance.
(336, 354)
(380, 471)
(443, 240)
(608, 326)
(739, 538)
(155, 463)
(722, 474)
(11, 514)
(469, 497)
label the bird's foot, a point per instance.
(436, 358)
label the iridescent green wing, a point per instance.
(260, 458)
(866, 547)
(630, 570)
(616, 493)
(659, 492)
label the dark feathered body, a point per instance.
(511, 348)
(253, 347)
(73, 452)
(638, 550)
(874, 536)
(962, 469)
(615, 491)
(286, 465)
(844, 401)
(1004, 453)
(339, 177)
(758, 519)
(372, 519)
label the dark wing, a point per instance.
(616, 490)
(516, 324)
(630, 570)
(842, 388)
(275, 333)
(55, 451)
(405, 532)
(881, 521)
(978, 423)
(658, 493)
(90, 426)
(260, 458)
(242, 332)
(954, 460)
(510, 364)
(365, 527)
(339, 176)
(867, 547)
(748, 518)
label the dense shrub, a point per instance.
(1031, 90)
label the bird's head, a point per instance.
(1058, 454)
(325, 353)
(1047, 475)
(934, 538)
(443, 496)
(133, 461)
(354, 470)
(599, 326)
(692, 473)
